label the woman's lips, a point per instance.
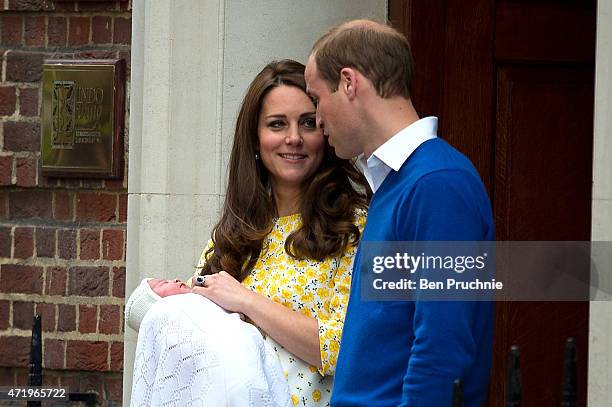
(291, 156)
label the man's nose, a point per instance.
(319, 120)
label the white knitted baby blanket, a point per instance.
(190, 352)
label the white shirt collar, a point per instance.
(392, 154)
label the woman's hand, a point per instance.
(225, 291)
(298, 333)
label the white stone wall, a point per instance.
(191, 63)
(600, 331)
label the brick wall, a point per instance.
(62, 241)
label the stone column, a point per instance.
(191, 63)
(600, 331)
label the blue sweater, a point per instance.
(408, 353)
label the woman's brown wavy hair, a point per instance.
(329, 201)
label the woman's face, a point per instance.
(164, 288)
(291, 146)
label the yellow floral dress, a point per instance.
(319, 289)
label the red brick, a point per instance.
(123, 208)
(85, 355)
(70, 182)
(59, 54)
(96, 207)
(78, 30)
(98, 6)
(45, 242)
(32, 5)
(55, 281)
(23, 314)
(12, 30)
(6, 242)
(69, 380)
(16, 278)
(92, 183)
(29, 204)
(92, 383)
(14, 351)
(47, 182)
(24, 243)
(116, 356)
(24, 66)
(63, 206)
(54, 352)
(66, 243)
(128, 64)
(112, 244)
(66, 320)
(25, 171)
(21, 379)
(88, 316)
(62, 55)
(119, 282)
(7, 378)
(50, 379)
(35, 31)
(90, 244)
(8, 100)
(65, 6)
(28, 102)
(88, 281)
(113, 184)
(95, 54)
(21, 136)
(122, 31)
(110, 318)
(47, 316)
(3, 204)
(101, 30)
(5, 307)
(6, 169)
(114, 386)
(56, 31)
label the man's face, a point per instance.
(164, 288)
(333, 113)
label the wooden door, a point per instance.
(512, 84)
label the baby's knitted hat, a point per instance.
(139, 303)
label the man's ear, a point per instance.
(348, 82)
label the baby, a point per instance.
(148, 293)
(190, 351)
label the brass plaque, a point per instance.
(82, 118)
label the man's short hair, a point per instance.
(378, 51)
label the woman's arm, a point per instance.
(297, 333)
(315, 341)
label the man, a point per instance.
(401, 353)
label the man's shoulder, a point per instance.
(433, 159)
(437, 155)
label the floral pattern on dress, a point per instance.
(319, 289)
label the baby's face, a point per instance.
(164, 288)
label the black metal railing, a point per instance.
(513, 393)
(514, 390)
(35, 376)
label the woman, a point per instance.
(282, 252)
